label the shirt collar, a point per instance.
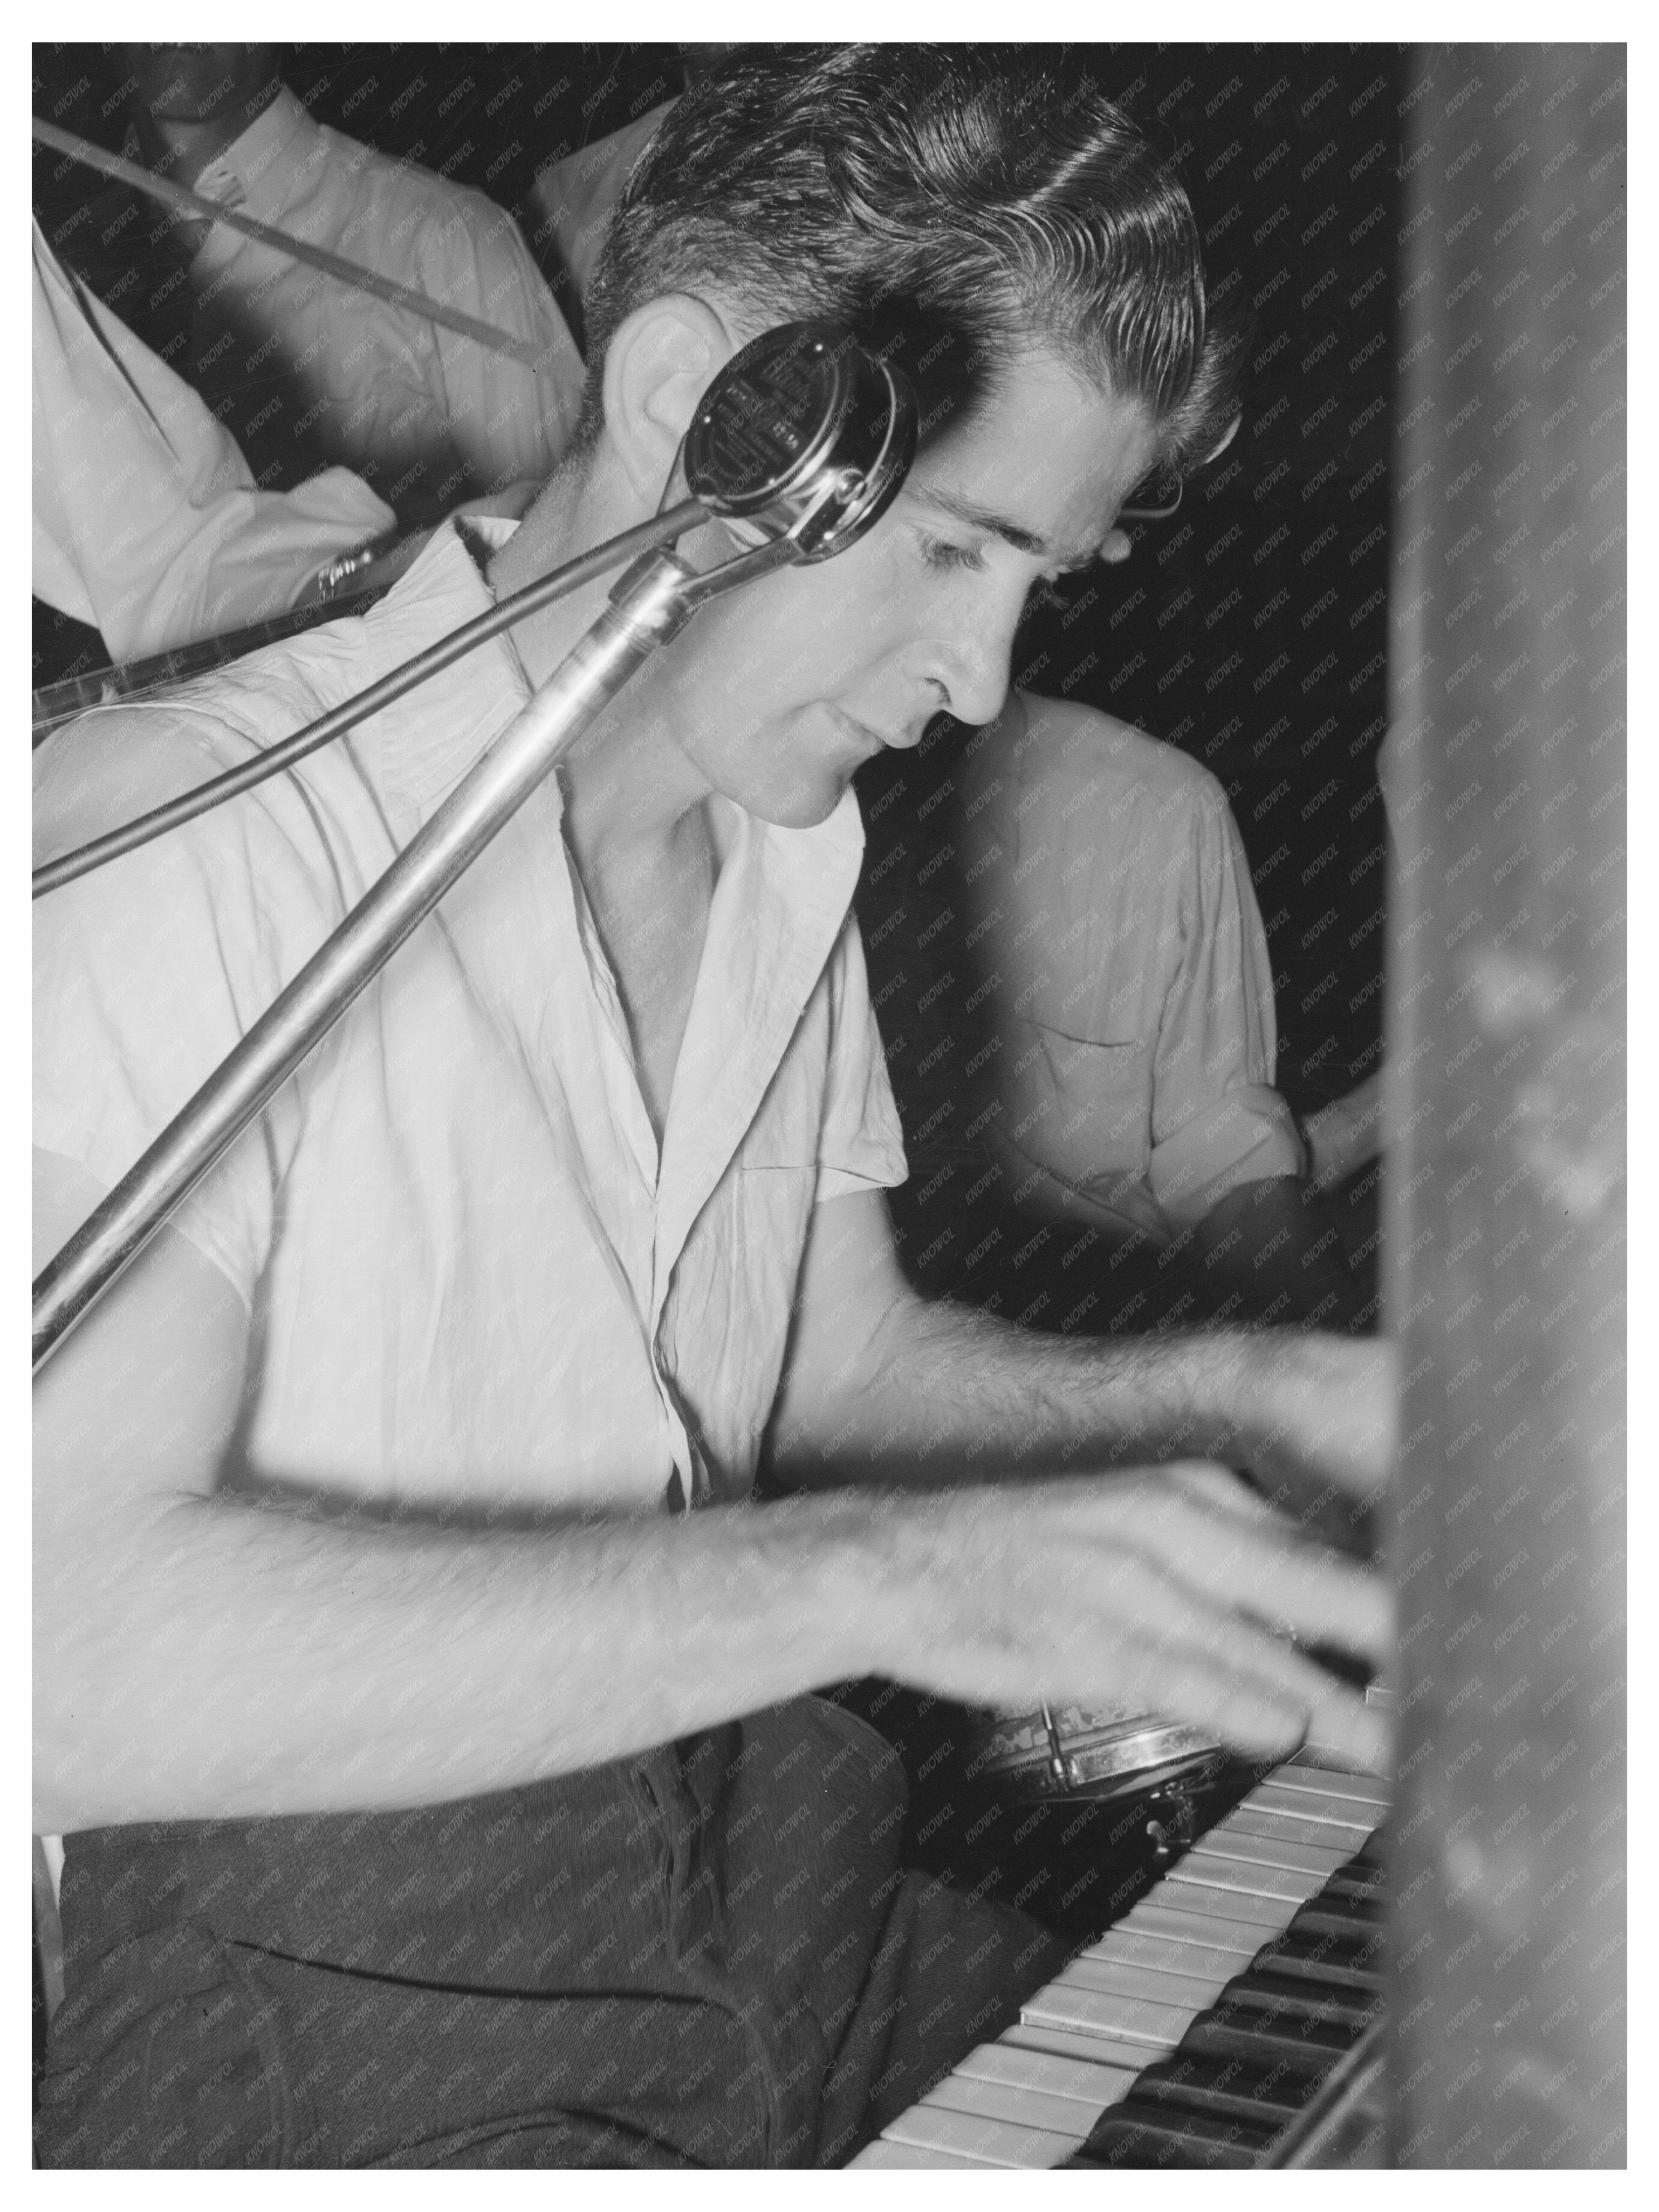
(780, 905)
(429, 738)
(276, 154)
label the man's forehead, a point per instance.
(1057, 506)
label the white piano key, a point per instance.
(1286, 1825)
(1084, 2082)
(1326, 1758)
(1195, 1990)
(1185, 1894)
(911, 2157)
(989, 2142)
(1298, 1809)
(1292, 1827)
(1163, 1955)
(996, 2100)
(1128, 2020)
(1156, 1916)
(1076, 2043)
(1237, 1878)
(1344, 1815)
(1303, 1772)
(1295, 1834)
(1227, 1841)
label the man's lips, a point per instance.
(860, 733)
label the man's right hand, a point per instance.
(1174, 1591)
(1312, 1410)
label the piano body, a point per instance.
(1431, 1973)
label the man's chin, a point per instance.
(806, 808)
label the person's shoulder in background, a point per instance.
(1056, 770)
(566, 209)
(419, 211)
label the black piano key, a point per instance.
(1146, 2134)
(1313, 1956)
(1338, 1916)
(1252, 2036)
(1336, 1931)
(1271, 2087)
(1320, 1975)
(1282, 1999)
(1317, 1934)
(1361, 1885)
(1370, 1864)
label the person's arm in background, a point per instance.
(1342, 1137)
(1267, 1251)
(147, 521)
(1229, 1166)
(1283, 1247)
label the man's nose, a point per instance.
(971, 660)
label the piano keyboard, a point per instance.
(1201, 2028)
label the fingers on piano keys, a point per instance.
(1198, 2030)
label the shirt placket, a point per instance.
(762, 956)
(622, 1086)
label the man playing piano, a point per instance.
(423, 1685)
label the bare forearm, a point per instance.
(239, 1660)
(948, 1390)
(941, 1392)
(1345, 1135)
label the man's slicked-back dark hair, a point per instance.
(955, 205)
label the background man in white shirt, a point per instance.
(1128, 1059)
(305, 371)
(147, 521)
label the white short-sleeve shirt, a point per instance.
(308, 372)
(470, 1276)
(147, 520)
(1134, 997)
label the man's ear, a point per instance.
(657, 367)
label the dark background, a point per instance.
(1249, 630)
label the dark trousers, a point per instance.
(710, 1956)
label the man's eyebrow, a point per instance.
(1001, 525)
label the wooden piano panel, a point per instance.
(1504, 1206)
